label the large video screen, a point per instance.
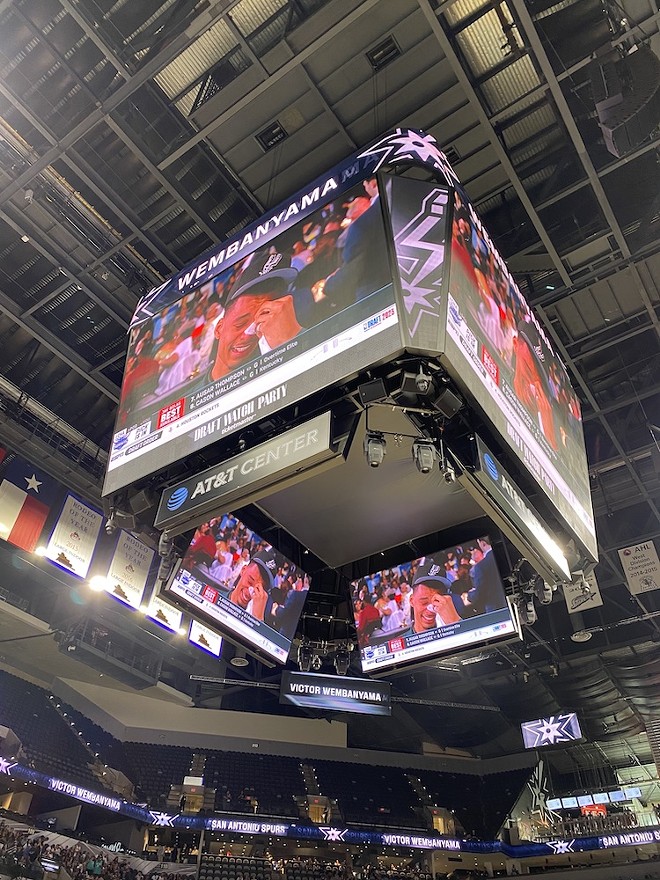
(242, 585)
(435, 604)
(514, 375)
(309, 309)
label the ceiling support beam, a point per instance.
(463, 79)
(206, 19)
(264, 86)
(160, 177)
(50, 341)
(543, 61)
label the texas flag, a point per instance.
(26, 494)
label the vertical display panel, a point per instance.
(418, 217)
(451, 600)
(241, 584)
(312, 307)
(503, 360)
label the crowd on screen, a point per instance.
(515, 340)
(23, 852)
(321, 266)
(461, 582)
(225, 553)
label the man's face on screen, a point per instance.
(235, 346)
(424, 600)
(248, 581)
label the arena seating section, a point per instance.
(370, 795)
(230, 868)
(367, 795)
(26, 709)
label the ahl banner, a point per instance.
(129, 570)
(74, 537)
(641, 567)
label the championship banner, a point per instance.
(641, 567)
(73, 541)
(165, 614)
(583, 595)
(129, 570)
(336, 693)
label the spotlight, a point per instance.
(342, 661)
(423, 453)
(374, 448)
(316, 663)
(423, 382)
(304, 658)
(111, 524)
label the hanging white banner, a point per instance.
(583, 595)
(205, 638)
(641, 567)
(74, 537)
(129, 570)
(164, 614)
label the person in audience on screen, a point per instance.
(285, 616)
(259, 312)
(360, 273)
(404, 604)
(202, 547)
(431, 602)
(220, 568)
(251, 590)
(391, 618)
(367, 619)
(530, 379)
(487, 593)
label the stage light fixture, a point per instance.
(304, 657)
(374, 448)
(316, 663)
(342, 661)
(423, 453)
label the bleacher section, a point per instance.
(154, 769)
(273, 781)
(370, 795)
(50, 744)
(110, 750)
(480, 804)
(367, 795)
(306, 870)
(229, 868)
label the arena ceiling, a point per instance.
(132, 138)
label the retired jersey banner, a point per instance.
(129, 570)
(641, 567)
(74, 537)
